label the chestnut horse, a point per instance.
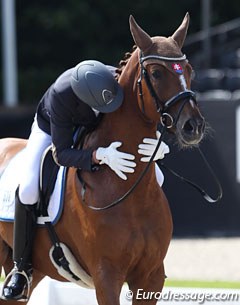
(126, 243)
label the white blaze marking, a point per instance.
(183, 82)
(192, 103)
(184, 87)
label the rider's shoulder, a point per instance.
(63, 82)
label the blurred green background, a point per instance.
(55, 35)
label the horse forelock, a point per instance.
(164, 46)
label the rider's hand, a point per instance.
(118, 161)
(148, 147)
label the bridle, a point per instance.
(163, 107)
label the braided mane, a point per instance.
(124, 61)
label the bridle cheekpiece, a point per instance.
(163, 107)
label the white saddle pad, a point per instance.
(9, 182)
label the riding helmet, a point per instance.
(94, 84)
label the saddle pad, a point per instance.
(9, 182)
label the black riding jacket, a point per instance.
(58, 113)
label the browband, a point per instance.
(142, 59)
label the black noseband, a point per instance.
(188, 94)
(184, 96)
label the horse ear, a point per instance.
(180, 34)
(141, 38)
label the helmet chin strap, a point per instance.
(95, 111)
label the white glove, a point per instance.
(148, 147)
(116, 160)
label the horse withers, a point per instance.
(126, 243)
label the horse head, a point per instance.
(163, 83)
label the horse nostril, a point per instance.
(194, 126)
(189, 126)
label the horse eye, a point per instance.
(156, 74)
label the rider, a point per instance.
(76, 98)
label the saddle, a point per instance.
(60, 255)
(48, 176)
(49, 172)
(49, 169)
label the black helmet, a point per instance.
(94, 84)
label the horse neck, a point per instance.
(128, 122)
(126, 125)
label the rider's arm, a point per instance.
(62, 138)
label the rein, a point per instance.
(194, 185)
(185, 95)
(119, 200)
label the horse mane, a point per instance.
(123, 62)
